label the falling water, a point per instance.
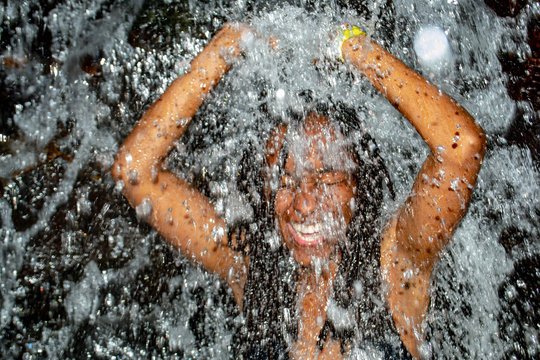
(81, 275)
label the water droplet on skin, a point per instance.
(454, 185)
(144, 209)
(133, 177)
(408, 274)
(217, 233)
(352, 204)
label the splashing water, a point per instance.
(82, 275)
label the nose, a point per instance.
(304, 200)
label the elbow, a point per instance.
(133, 169)
(125, 170)
(125, 176)
(474, 144)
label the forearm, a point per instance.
(448, 129)
(181, 214)
(169, 116)
(161, 125)
(443, 187)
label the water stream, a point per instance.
(82, 276)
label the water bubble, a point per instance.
(119, 186)
(358, 288)
(432, 47)
(83, 300)
(109, 300)
(144, 209)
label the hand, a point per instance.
(343, 33)
(332, 49)
(227, 41)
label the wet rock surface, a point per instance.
(523, 85)
(521, 303)
(510, 8)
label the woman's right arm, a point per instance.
(180, 213)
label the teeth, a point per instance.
(306, 229)
(306, 235)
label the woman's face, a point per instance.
(315, 198)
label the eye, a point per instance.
(288, 181)
(332, 177)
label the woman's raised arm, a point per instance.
(181, 214)
(442, 189)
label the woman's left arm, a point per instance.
(442, 190)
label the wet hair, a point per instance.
(270, 297)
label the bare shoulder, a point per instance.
(407, 289)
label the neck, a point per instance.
(317, 279)
(320, 271)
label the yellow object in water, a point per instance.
(345, 33)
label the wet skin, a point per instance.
(313, 203)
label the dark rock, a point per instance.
(520, 314)
(508, 8)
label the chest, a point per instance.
(313, 312)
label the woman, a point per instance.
(312, 199)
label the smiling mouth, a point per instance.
(306, 235)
